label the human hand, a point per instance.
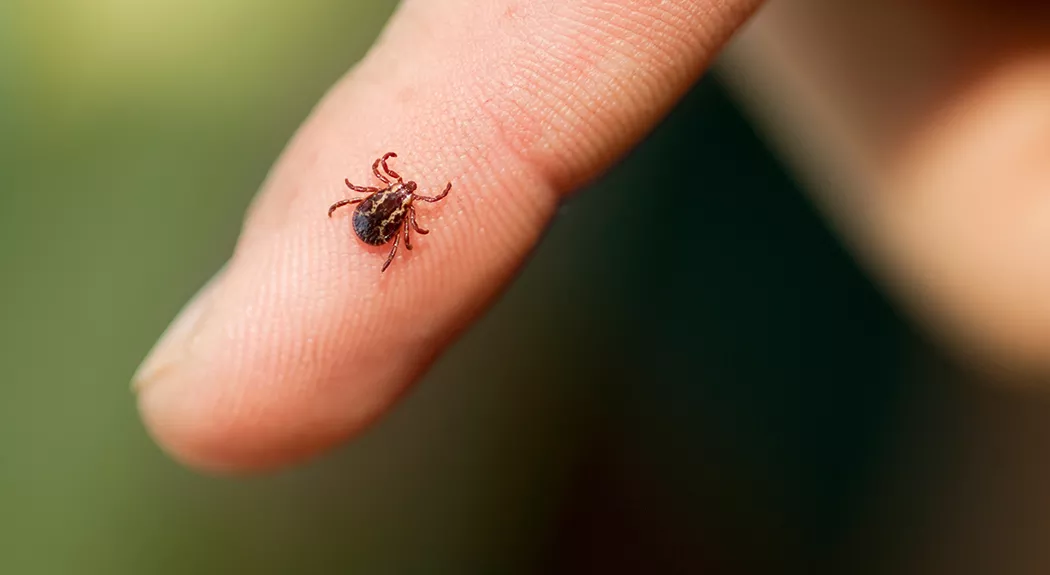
(300, 342)
(927, 141)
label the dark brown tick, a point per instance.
(381, 216)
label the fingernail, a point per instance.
(171, 348)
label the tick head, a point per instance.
(410, 187)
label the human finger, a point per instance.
(302, 341)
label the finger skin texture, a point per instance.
(301, 342)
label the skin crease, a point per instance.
(287, 351)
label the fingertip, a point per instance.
(216, 441)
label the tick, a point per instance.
(387, 212)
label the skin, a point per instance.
(285, 353)
(933, 118)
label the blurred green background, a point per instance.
(734, 399)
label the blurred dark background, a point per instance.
(704, 384)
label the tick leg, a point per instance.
(342, 203)
(387, 169)
(375, 170)
(412, 220)
(438, 197)
(408, 240)
(364, 189)
(393, 251)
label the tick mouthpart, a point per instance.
(410, 187)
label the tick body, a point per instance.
(386, 214)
